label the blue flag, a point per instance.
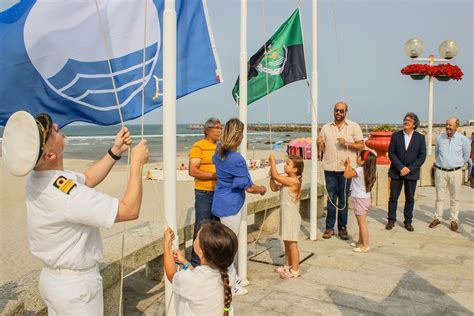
(74, 60)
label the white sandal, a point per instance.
(360, 249)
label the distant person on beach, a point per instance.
(206, 289)
(407, 153)
(363, 180)
(233, 180)
(339, 140)
(64, 212)
(289, 186)
(452, 151)
(203, 171)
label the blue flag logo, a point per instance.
(81, 60)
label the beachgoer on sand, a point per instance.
(363, 180)
(233, 180)
(289, 186)
(205, 289)
(64, 212)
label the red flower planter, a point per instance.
(379, 142)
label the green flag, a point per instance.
(279, 62)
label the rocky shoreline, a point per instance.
(301, 128)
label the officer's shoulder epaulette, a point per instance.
(64, 184)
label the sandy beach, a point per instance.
(16, 260)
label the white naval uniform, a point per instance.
(63, 232)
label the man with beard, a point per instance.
(452, 152)
(64, 212)
(407, 153)
(340, 139)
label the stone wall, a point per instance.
(144, 246)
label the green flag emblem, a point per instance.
(279, 62)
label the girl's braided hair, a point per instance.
(219, 245)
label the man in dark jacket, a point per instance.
(407, 152)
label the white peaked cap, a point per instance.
(21, 143)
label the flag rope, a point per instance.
(143, 68)
(269, 123)
(107, 55)
(338, 50)
(312, 100)
(104, 42)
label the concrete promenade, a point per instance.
(425, 272)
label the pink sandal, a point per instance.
(292, 274)
(282, 269)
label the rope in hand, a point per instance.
(112, 77)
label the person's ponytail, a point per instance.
(227, 291)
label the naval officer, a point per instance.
(65, 212)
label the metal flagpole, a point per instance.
(314, 126)
(429, 143)
(169, 131)
(242, 254)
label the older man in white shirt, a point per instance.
(452, 152)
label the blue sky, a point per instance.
(371, 38)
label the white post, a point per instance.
(314, 127)
(242, 254)
(169, 131)
(430, 108)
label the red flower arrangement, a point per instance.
(443, 70)
(448, 70)
(416, 69)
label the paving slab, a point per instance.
(427, 272)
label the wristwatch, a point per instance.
(114, 156)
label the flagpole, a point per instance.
(169, 132)
(314, 126)
(242, 254)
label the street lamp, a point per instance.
(448, 49)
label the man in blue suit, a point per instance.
(407, 152)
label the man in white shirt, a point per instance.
(452, 152)
(339, 139)
(64, 212)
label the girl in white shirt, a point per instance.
(363, 179)
(206, 289)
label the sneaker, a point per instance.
(241, 282)
(434, 223)
(354, 244)
(454, 226)
(328, 233)
(343, 234)
(237, 290)
(360, 249)
(282, 269)
(292, 274)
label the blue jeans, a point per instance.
(335, 183)
(202, 211)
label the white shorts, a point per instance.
(79, 294)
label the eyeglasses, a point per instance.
(339, 110)
(216, 127)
